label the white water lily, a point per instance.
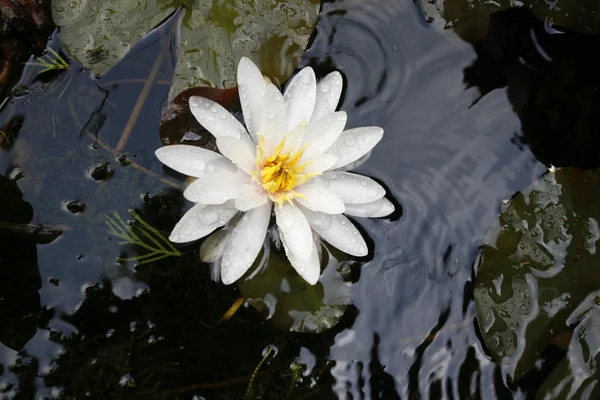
(291, 156)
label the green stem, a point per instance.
(249, 390)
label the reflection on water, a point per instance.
(465, 128)
(449, 157)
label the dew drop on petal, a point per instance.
(350, 140)
(305, 78)
(209, 218)
(199, 165)
(270, 113)
(324, 88)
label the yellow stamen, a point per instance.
(279, 173)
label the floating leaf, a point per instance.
(288, 302)
(577, 375)
(216, 34)
(470, 19)
(178, 125)
(540, 262)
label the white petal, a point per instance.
(251, 86)
(294, 139)
(376, 209)
(185, 159)
(216, 188)
(322, 133)
(300, 96)
(294, 231)
(353, 188)
(274, 117)
(319, 164)
(357, 163)
(201, 220)
(329, 91)
(338, 231)
(245, 242)
(215, 271)
(354, 143)
(251, 196)
(213, 246)
(309, 267)
(216, 119)
(319, 197)
(241, 152)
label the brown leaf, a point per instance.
(178, 125)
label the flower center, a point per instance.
(280, 172)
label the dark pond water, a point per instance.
(464, 130)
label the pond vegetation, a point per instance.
(481, 284)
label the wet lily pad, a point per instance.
(540, 262)
(289, 303)
(577, 375)
(215, 35)
(469, 19)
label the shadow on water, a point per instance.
(466, 127)
(552, 81)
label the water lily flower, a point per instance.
(292, 158)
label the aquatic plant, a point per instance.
(132, 233)
(50, 64)
(294, 153)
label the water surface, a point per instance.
(83, 324)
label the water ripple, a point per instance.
(449, 161)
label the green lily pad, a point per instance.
(289, 303)
(577, 375)
(98, 33)
(540, 262)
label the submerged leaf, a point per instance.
(540, 262)
(141, 234)
(285, 300)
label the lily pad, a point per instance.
(540, 262)
(286, 301)
(577, 375)
(469, 19)
(98, 33)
